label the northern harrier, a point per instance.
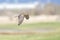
(21, 17)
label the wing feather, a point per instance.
(20, 19)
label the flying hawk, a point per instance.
(21, 17)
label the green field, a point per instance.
(44, 36)
(32, 25)
(30, 37)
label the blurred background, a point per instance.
(44, 22)
(42, 10)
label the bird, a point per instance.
(21, 17)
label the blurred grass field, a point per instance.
(32, 25)
(44, 36)
(31, 37)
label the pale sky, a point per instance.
(13, 6)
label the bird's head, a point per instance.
(26, 16)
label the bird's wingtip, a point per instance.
(18, 24)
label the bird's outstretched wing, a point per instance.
(20, 19)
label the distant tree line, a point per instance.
(49, 9)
